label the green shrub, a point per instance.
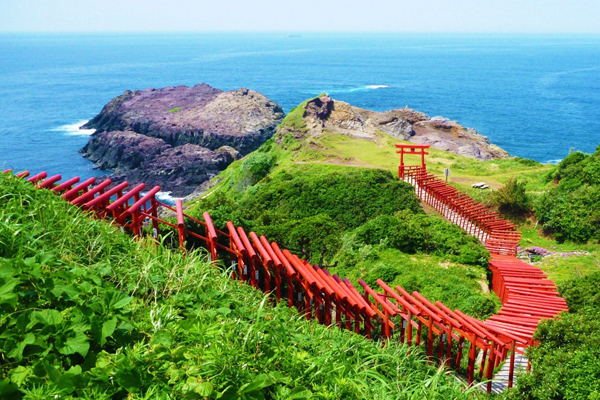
(257, 165)
(512, 197)
(420, 233)
(528, 162)
(570, 215)
(350, 197)
(569, 167)
(313, 237)
(582, 293)
(571, 210)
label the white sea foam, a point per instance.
(554, 161)
(354, 89)
(367, 87)
(73, 129)
(166, 198)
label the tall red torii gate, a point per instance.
(411, 149)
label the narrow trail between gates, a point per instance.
(449, 337)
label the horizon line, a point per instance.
(308, 32)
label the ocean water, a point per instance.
(535, 96)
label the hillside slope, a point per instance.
(86, 312)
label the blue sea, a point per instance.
(535, 96)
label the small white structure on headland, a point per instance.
(480, 185)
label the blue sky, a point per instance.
(469, 16)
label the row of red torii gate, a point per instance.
(449, 337)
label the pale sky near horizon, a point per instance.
(465, 16)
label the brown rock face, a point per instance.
(179, 137)
(448, 135)
(325, 114)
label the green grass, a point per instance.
(294, 120)
(86, 312)
(175, 109)
(381, 153)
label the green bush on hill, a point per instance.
(86, 312)
(257, 166)
(349, 196)
(419, 233)
(287, 205)
(568, 168)
(571, 210)
(512, 197)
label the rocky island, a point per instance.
(179, 137)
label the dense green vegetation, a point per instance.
(571, 209)
(86, 312)
(292, 206)
(566, 363)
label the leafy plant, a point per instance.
(570, 210)
(419, 233)
(512, 197)
(257, 165)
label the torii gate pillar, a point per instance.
(411, 149)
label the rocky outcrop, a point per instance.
(443, 134)
(324, 114)
(179, 137)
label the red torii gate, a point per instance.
(411, 149)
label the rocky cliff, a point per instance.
(323, 114)
(179, 137)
